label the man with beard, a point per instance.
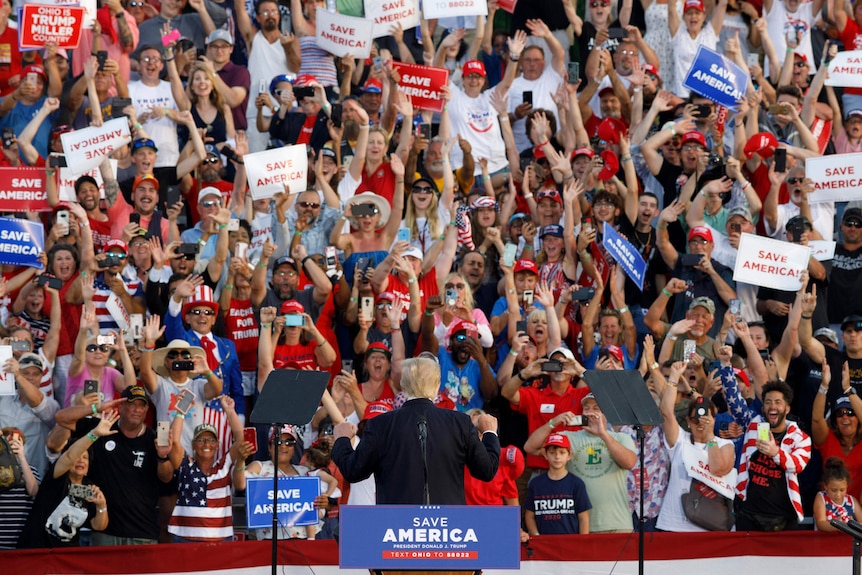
(767, 481)
(473, 269)
(698, 320)
(212, 171)
(285, 281)
(466, 379)
(844, 278)
(270, 53)
(311, 221)
(145, 202)
(432, 163)
(128, 467)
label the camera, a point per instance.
(228, 153)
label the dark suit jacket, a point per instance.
(389, 449)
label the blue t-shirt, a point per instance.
(461, 384)
(556, 503)
(590, 360)
(20, 116)
(501, 306)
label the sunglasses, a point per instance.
(597, 4)
(173, 354)
(288, 442)
(845, 413)
(136, 4)
(93, 348)
(691, 147)
(795, 180)
(212, 160)
(422, 190)
(800, 64)
(211, 203)
(118, 256)
(853, 224)
(199, 311)
(697, 242)
(628, 52)
(384, 306)
(311, 205)
(461, 338)
(151, 59)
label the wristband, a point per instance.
(712, 443)
(261, 265)
(513, 353)
(662, 225)
(208, 374)
(807, 316)
(163, 459)
(222, 226)
(305, 259)
(411, 280)
(654, 366)
(623, 309)
(354, 299)
(102, 510)
(453, 224)
(528, 196)
(202, 242)
(666, 293)
(266, 325)
(545, 143)
(429, 314)
(551, 423)
(297, 233)
(637, 90)
(746, 184)
(137, 126)
(227, 287)
(504, 117)
(92, 437)
(823, 390)
(95, 410)
(171, 59)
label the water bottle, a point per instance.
(330, 6)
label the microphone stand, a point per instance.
(423, 439)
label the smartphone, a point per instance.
(106, 340)
(378, 62)
(736, 228)
(183, 365)
(91, 386)
(587, 225)
(62, 217)
(363, 209)
(552, 366)
(734, 306)
(724, 425)
(20, 345)
(185, 400)
(163, 431)
(249, 434)
(528, 297)
(294, 320)
(763, 431)
(796, 231)
(51, 282)
(335, 114)
(573, 70)
(303, 92)
(509, 253)
(240, 249)
(753, 59)
(54, 160)
(347, 365)
(778, 109)
(781, 160)
(80, 491)
(327, 430)
(189, 249)
(366, 308)
(583, 294)
(521, 326)
(136, 325)
(8, 137)
(101, 58)
(173, 196)
(578, 420)
(689, 347)
(451, 296)
(617, 33)
(118, 105)
(713, 366)
(764, 354)
(233, 225)
(135, 218)
(110, 261)
(403, 235)
(262, 87)
(171, 37)
(331, 260)
(702, 111)
(528, 97)
(690, 260)
(425, 130)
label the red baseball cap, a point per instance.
(614, 351)
(700, 232)
(558, 440)
(292, 306)
(693, 5)
(588, 152)
(693, 136)
(35, 69)
(143, 178)
(610, 130)
(117, 244)
(650, 69)
(474, 67)
(379, 347)
(376, 408)
(762, 144)
(526, 266)
(461, 325)
(304, 80)
(611, 167)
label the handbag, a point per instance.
(707, 508)
(11, 474)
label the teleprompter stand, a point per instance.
(625, 400)
(854, 530)
(290, 397)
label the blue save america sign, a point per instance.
(625, 254)
(430, 537)
(295, 501)
(21, 242)
(715, 77)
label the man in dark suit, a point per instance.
(390, 447)
(199, 309)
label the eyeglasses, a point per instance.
(173, 354)
(93, 348)
(461, 338)
(691, 147)
(212, 160)
(384, 306)
(150, 59)
(288, 442)
(454, 286)
(285, 274)
(800, 64)
(597, 4)
(795, 181)
(845, 413)
(853, 224)
(136, 4)
(206, 440)
(266, 13)
(422, 190)
(211, 203)
(311, 205)
(697, 242)
(602, 205)
(200, 311)
(628, 52)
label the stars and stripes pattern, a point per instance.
(214, 415)
(203, 511)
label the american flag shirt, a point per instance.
(203, 511)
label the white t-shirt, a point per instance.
(542, 88)
(164, 130)
(475, 120)
(165, 400)
(822, 218)
(779, 22)
(684, 49)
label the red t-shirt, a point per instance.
(381, 182)
(191, 199)
(243, 331)
(541, 405)
(503, 485)
(101, 234)
(10, 59)
(760, 181)
(851, 35)
(427, 288)
(307, 127)
(295, 356)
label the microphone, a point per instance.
(423, 438)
